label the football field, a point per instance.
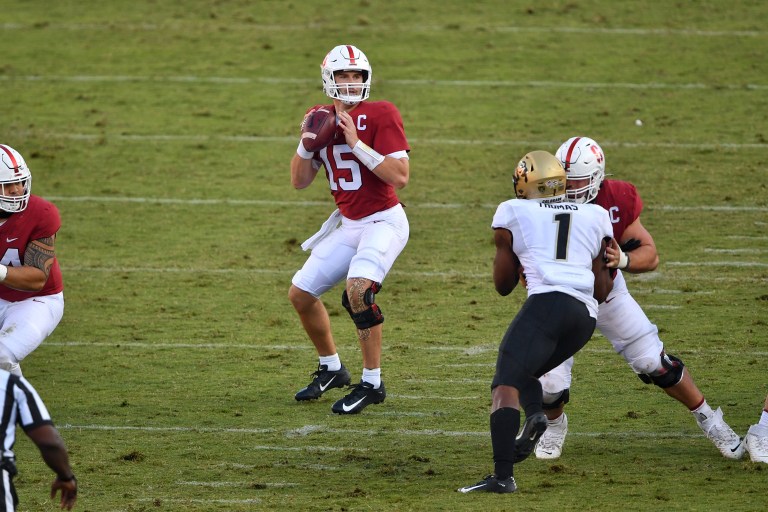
(163, 132)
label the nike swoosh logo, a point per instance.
(733, 450)
(348, 408)
(472, 488)
(609, 300)
(323, 388)
(9, 240)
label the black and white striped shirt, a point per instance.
(20, 404)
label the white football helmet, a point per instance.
(582, 159)
(15, 181)
(346, 58)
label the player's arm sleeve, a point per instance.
(390, 135)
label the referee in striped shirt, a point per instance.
(22, 405)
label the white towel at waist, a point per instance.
(328, 227)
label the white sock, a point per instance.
(764, 419)
(372, 376)
(703, 412)
(557, 421)
(332, 362)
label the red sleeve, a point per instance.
(623, 203)
(48, 224)
(390, 134)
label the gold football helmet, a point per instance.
(540, 176)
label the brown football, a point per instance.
(319, 129)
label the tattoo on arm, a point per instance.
(40, 254)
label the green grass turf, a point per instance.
(163, 131)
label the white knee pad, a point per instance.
(646, 364)
(556, 380)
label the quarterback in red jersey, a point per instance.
(31, 287)
(620, 318)
(364, 164)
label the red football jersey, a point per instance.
(40, 219)
(357, 191)
(623, 203)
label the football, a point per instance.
(319, 129)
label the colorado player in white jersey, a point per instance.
(620, 318)
(564, 249)
(364, 165)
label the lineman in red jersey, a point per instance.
(360, 241)
(620, 318)
(31, 287)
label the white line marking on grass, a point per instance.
(657, 291)
(247, 501)
(447, 381)
(758, 264)
(433, 397)
(653, 276)
(405, 413)
(416, 141)
(219, 483)
(236, 465)
(467, 351)
(535, 84)
(734, 251)
(388, 28)
(293, 204)
(307, 448)
(467, 365)
(376, 432)
(304, 431)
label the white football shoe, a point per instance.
(722, 436)
(756, 443)
(550, 446)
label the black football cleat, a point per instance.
(533, 429)
(492, 484)
(361, 396)
(323, 381)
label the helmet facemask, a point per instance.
(11, 200)
(346, 58)
(15, 181)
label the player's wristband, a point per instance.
(303, 153)
(3, 273)
(366, 154)
(623, 260)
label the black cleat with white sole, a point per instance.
(492, 484)
(323, 381)
(533, 429)
(361, 396)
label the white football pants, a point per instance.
(620, 319)
(366, 248)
